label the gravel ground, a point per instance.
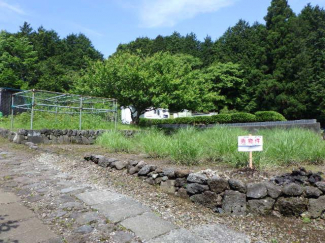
(184, 213)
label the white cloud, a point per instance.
(12, 8)
(156, 13)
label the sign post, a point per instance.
(249, 144)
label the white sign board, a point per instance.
(250, 143)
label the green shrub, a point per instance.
(239, 117)
(242, 117)
(263, 116)
(222, 118)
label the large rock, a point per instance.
(97, 158)
(119, 165)
(182, 193)
(208, 199)
(218, 184)
(196, 188)
(293, 189)
(170, 173)
(314, 178)
(273, 190)
(256, 190)
(182, 173)
(168, 186)
(312, 192)
(105, 162)
(316, 207)
(237, 185)
(234, 202)
(146, 170)
(292, 206)
(181, 182)
(321, 185)
(141, 164)
(197, 178)
(133, 170)
(261, 206)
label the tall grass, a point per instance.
(114, 141)
(61, 121)
(219, 145)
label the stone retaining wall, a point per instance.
(300, 193)
(54, 136)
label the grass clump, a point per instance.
(43, 120)
(191, 146)
(115, 141)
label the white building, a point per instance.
(158, 113)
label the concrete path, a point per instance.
(80, 212)
(148, 226)
(19, 224)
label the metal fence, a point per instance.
(34, 101)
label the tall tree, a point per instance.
(161, 80)
(17, 61)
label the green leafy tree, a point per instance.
(17, 61)
(162, 80)
(229, 84)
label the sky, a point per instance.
(107, 23)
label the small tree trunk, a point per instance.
(135, 117)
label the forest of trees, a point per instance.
(277, 65)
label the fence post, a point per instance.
(32, 112)
(80, 113)
(115, 106)
(12, 113)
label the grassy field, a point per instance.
(219, 145)
(61, 121)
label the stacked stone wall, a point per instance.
(300, 193)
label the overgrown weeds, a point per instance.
(219, 144)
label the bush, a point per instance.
(222, 118)
(263, 116)
(217, 119)
(242, 117)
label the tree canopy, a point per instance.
(279, 65)
(148, 82)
